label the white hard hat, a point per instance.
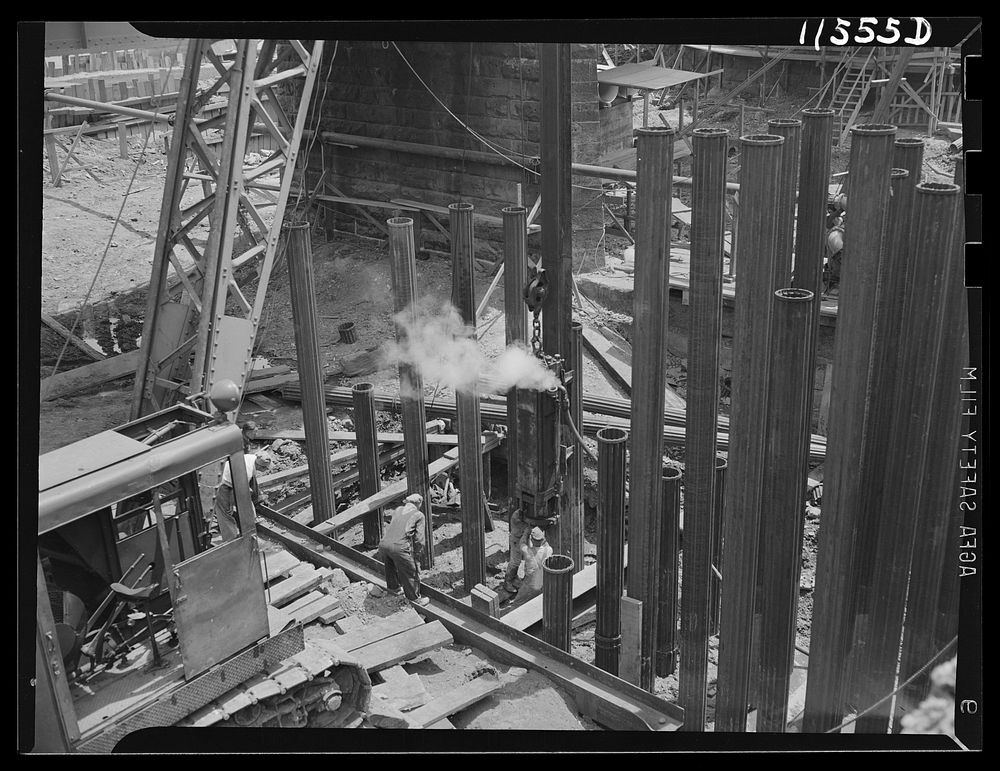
(415, 498)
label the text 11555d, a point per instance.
(868, 29)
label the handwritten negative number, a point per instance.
(867, 27)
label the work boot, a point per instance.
(422, 601)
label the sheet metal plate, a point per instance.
(646, 77)
(88, 455)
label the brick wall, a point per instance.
(492, 87)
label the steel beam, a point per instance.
(707, 225)
(920, 379)
(652, 279)
(670, 542)
(515, 267)
(411, 384)
(781, 509)
(369, 481)
(759, 180)
(302, 290)
(470, 466)
(791, 130)
(610, 546)
(833, 621)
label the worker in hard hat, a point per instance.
(225, 519)
(835, 218)
(402, 546)
(533, 554)
(517, 538)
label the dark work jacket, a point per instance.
(405, 530)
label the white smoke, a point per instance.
(443, 349)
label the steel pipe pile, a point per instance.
(718, 504)
(849, 442)
(893, 290)
(515, 267)
(610, 546)
(557, 601)
(574, 491)
(652, 279)
(759, 183)
(920, 379)
(369, 481)
(670, 543)
(309, 356)
(791, 130)
(707, 226)
(470, 464)
(781, 511)
(403, 264)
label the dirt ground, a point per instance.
(352, 284)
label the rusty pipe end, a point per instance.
(363, 388)
(762, 140)
(784, 122)
(671, 474)
(790, 294)
(576, 326)
(512, 211)
(399, 222)
(909, 142)
(937, 188)
(654, 131)
(558, 564)
(818, 112)
(899, 173)
(721, 463)
(460, 207)
(710, 131)
(611, 435)
(874, 129)
(295, 225)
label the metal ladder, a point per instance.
(850, 95)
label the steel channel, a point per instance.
(369, 481)
(611, 444)
(515, 266)
(411, 384)
(833, 611)
(707, 225)
(791, 130)
(652, 278)
(759, 177)
(907, 469)
(308, 354)
(781, 512)
(470, 462)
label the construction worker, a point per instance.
(518, 537)
(401, 546)
(835, 218)
(534, 553)
(225, 520)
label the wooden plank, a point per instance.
(302, 579)
(394, 673)
(279, 564)
(403, 693)
(530, 613)
(455, 700)
(403, 646)
(628, 663)
(326, 604)
(443, 211)
(406, 619)
(306, 599)
(333, 616)
(58, 328)
(485, 600)
(443, 723)
(89, 376)
(277, 620)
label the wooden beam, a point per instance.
(55, 326)
(455, 700)
(404, 646)
(89, 376)
(628, 661)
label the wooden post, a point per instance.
(50, 151)
(628, 662)
(123, 140)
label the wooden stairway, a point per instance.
(850, 95)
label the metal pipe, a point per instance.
(515, 267)
(574, 491)
(908, 153)
(627, 175)
(781, 510)
(611, 443)
(369, 481)
(833, 620)
(652, 278)
(557, 601)
(309, 356)
(886, 350)
(470, 466)
(118, 109)
(411, 383)
(718, 500)
(919, 380)
(761, 155)
(707, 224)
(932, 568)
(791, 130)
(670, 542)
